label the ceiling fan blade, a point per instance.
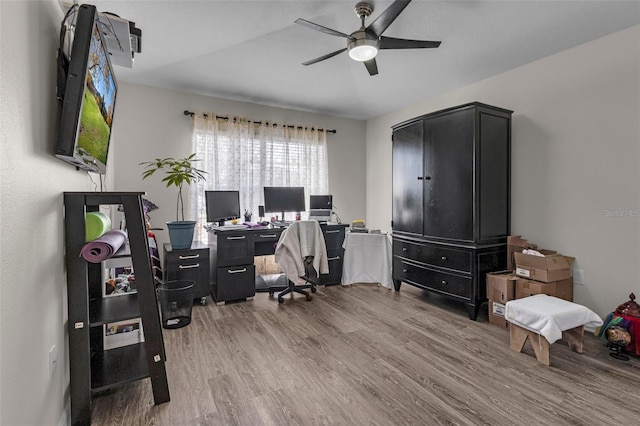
(401, 43)
(322, 58)
(320, 28)
(385, 19)
(372, 67)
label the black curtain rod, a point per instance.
(191, 114)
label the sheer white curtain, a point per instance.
(241, 155)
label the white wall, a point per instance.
(149, 123)
(33, 310)
(575, 156)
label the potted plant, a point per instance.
(178, 172)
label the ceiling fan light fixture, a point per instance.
(363, 49)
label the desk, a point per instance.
(232, 252)
(367, 259)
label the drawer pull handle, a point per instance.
(404, 271)
(236, 238)
(444, 282)
(237, 271)
(405, 249)
(194, 256)
(444, 258)
(332, 232)
(197, 265)
(268, 235)
(334, 258)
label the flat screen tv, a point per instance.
(284, 199)
(89, 95)
(222, 205)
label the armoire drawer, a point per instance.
(442, 282)
(442, 257)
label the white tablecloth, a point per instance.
(549, 316)
(367, 259)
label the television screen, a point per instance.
(284, 199)
(89, 97)
(222, 205)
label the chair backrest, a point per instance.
(308, 231)
(301, 240)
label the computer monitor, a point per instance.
(222, 205)
(284, 199)
(320, 202)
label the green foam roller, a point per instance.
(96, 224)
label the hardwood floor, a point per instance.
(364, 354)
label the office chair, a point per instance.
(301, 254)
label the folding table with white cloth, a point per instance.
(367, 259)
(545, 319)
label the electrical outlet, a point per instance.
(53, 359)
(578, 276)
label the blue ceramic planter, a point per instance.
(181, 233)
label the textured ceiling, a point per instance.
(252, 50)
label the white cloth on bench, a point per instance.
(549, 316)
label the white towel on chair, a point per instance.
(549, 316)
(301, 239)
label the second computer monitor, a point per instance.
(320, 202)
(280, 199)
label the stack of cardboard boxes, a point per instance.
(528, 274)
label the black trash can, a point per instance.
(176, 301)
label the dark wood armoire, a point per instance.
(451, 200)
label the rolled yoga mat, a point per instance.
(96, 224)
(103, 247)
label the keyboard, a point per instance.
(229, 227)
(282, 223)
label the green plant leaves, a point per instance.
(177, 173)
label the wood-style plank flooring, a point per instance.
(367, 355)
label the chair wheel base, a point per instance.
(280, 300)
(309, 297)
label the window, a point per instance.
(245, 156)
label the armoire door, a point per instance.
(448, 175)
(408, 175)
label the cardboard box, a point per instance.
(501, 286)
(548, 268)
(562, 289)
(496, 314)
(515, 244)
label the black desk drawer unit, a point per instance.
(189, 264)
(333, 239)
(234, 283)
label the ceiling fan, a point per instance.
(363, 44)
